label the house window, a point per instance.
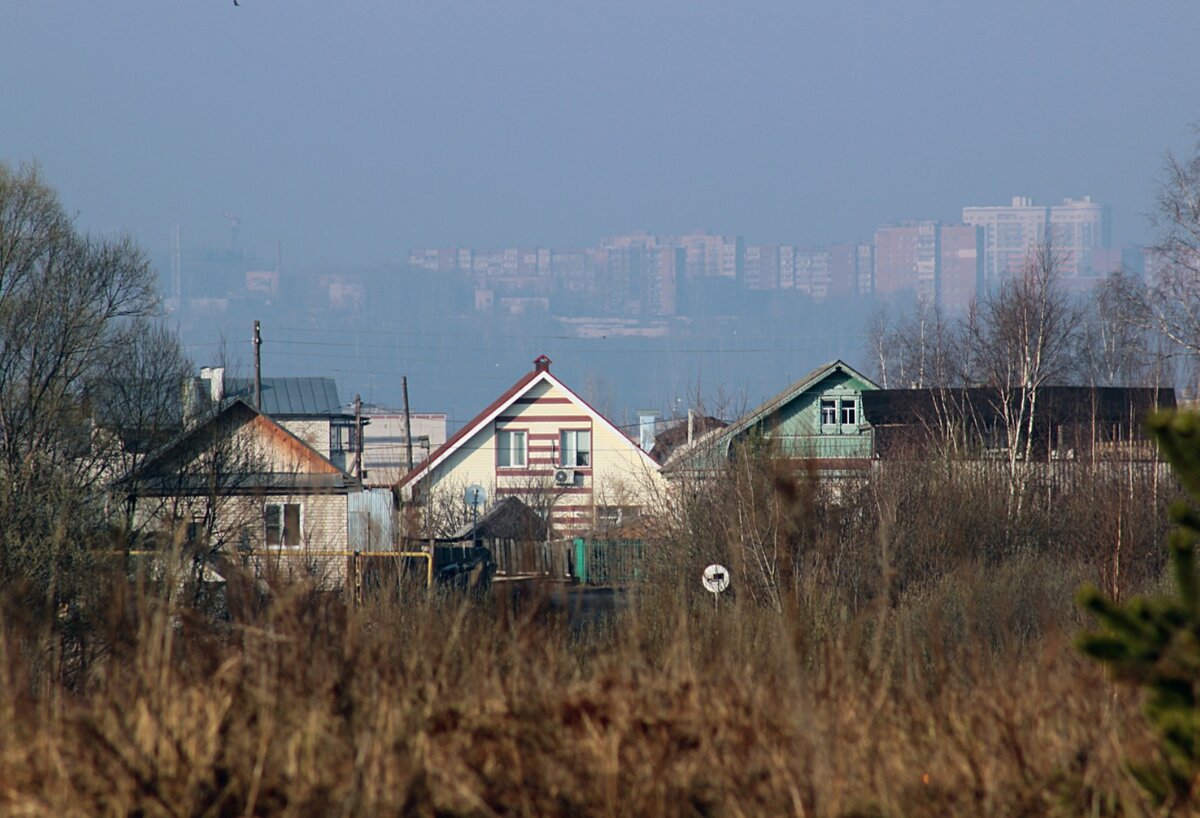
(828, 412)
(575, 448)
(282, 524)
(849, 412)
(510, 449)
(341, 438)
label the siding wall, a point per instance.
(796, 426)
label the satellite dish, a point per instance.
(716, 578)
(475, 495)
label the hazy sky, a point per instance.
(355, 130)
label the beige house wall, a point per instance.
(619, 474)
(313, 432)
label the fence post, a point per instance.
(581, 567)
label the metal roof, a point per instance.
(290, 397)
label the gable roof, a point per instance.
(159, 474)
(722, 437)
(771, 405)
(507, 519)
(539, 374)
(284, 397)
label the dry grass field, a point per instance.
(904, 666)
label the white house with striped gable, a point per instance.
(542, 443)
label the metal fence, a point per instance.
(609, 562)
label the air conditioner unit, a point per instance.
(564, 477)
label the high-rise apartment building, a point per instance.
(906, 259)
(1075, 228)
(762, 267)
(709, 255)
(960, 265)
(935, 262)
(851, 269)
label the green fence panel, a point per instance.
(609, 562)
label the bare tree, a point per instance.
(927, 344)
(880, 335)
(1114, 341)
(919, 349)
(1017, 340)
(1175, 282)
(68, 306)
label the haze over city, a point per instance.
(328, 142)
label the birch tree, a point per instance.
(1174, 297)
(1019, 339)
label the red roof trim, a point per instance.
(540, 372)
(471, 427)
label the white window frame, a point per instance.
(829, 405)
(850, 405)
(510, 449)
(283, 526)
(570, 454)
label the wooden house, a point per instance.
(818, 419)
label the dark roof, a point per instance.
(509, 519)
(290, 397)
(1113, 404)
(675, 435)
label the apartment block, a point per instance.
(762, 267)
(1076, 228)
(930, 261)
(960, 265)
(851, 269)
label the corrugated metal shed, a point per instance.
(290, 397)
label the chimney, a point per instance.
(646, 420)
(215, 375)
(541, 364)
(191, 398)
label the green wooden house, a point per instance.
(818, 418)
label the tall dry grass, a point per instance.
(897, 669)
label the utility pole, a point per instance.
(407, 422)
(257, 367)
(358, 446)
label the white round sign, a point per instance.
(716, 578)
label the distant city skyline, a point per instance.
(654, 275)
(351, 133)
